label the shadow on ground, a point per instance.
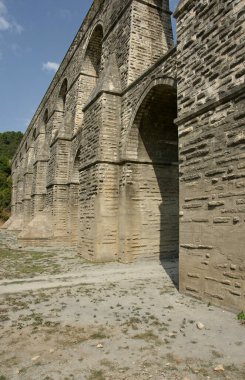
(171, 267)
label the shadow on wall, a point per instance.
(169, 225)
(158, 143)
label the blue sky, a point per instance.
(34, 37)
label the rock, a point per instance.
(200, 325)
(35, 358)
(219, 368)
(51, 350)
(99, 346)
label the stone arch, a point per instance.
(61, 101)
(92, 63)
(149, 202)
(91, 67)
(44, 129)
(128, 149)
(60, 111)
(34, 134)
(45, 117)
(93, 56)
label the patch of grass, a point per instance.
(15, 303)
(241, 317)
(98, 335)
(232, 368)
(217, 354)
(20, 264)
(37, 319)
(148, 336)
(107, 363)
(4, 318)
(97, 375)
(3, 377)
(240, 343)
(132, 322)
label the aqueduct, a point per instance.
(137, 149)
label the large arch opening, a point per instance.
(92, 62)
(150, 180)
(60, 111)
(61, 101)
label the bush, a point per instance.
(9, 142)
(241, 316)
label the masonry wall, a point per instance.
(98, 166)
(81, 110)
(211, 104)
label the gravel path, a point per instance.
(114, 322)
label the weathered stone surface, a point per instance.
(111, 166)
(211, 105)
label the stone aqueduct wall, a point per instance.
(102, 162)
(211, 102)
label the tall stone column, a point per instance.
(28, 182)
(99, 170)
(57, 187)
(16, 222)
(39, 184)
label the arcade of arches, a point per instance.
(137, 148)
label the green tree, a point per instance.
(9, 142)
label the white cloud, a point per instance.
(3, 8)
(7, 23)
(50, 66)
(4, 24)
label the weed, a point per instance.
(232, 368)
(98, 335)
(96, 375)
(4, 318)
(241, 317)
(216, 354)
(148, 336)
(132, 322)
(38, 320)
(107, 363)
(239, 343)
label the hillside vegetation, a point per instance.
(9, 142)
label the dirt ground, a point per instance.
(63, 318)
